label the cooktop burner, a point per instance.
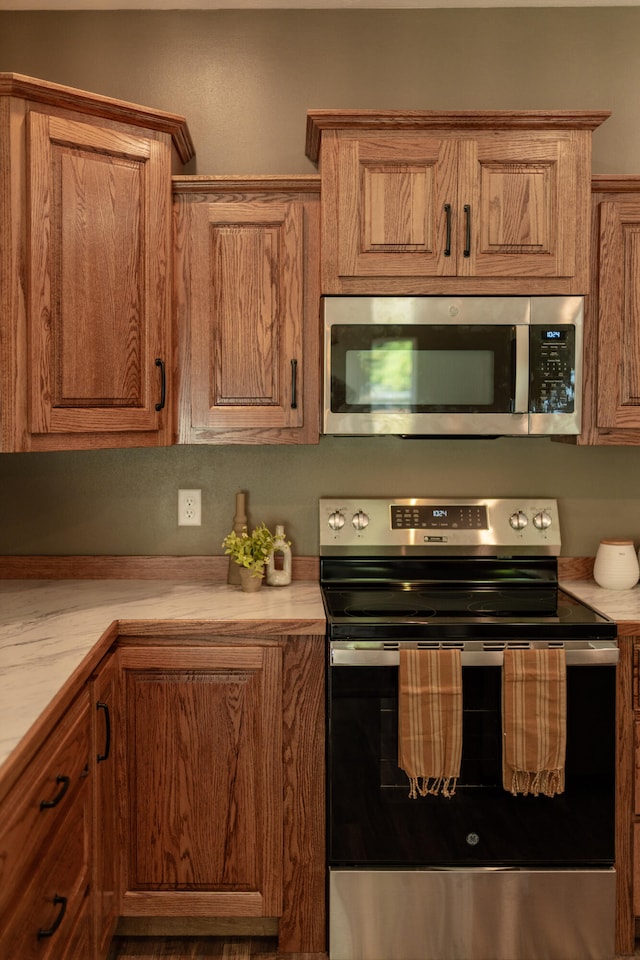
(381, 603)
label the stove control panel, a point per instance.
(404, 525)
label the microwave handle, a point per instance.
(521, 392)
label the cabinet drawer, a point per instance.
(37, 805)
(42, 915)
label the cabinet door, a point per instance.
(455, 211)
(248, 282)
(618, 394)
(394, 207)
(106, 846)
(98, 254)
(520, 206)
(204, 780)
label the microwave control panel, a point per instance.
(552, 362)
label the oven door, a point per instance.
(372, 821)
(481, 874)
(426, 366)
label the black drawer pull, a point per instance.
(49, 931)
(65, 781)
(107, 733)
(163, 384)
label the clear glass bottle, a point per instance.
(279, 566)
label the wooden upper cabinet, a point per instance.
(88, 292)
(247, 302)
(427, 203)
(611, 413)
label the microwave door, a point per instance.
(426, 379)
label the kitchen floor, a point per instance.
(196, 948)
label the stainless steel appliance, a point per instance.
(482, 875)
(452, 366)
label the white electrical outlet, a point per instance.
(189, 508)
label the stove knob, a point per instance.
(336, 520)
(542, 520)
(360, 520)
(518, 520)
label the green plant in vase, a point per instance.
(251, 552)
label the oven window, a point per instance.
(373, 822)
(422, 369)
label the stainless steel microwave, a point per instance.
(452, 366)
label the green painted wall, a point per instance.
(245, 80)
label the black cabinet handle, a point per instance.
(163, 384)
(467, 232)
(65, 781)
(107, 733)
(49, 931)
(294, 384)
(447, 242)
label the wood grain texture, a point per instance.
(321, 121)
(610, 412)
(625, 786)
(512, 201)
(296, 738)
(84, 281)
(56, 95)
(247, 289)
(98, 256)
(302, 926)
(204, 780)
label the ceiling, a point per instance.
(295, 4)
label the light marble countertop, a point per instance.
(619, 605)
(49, 627)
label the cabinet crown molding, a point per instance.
(96, 105)
(377, 120)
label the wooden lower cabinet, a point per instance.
(105, 872)
(222, 786)
(45, 846)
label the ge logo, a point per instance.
(473, 839)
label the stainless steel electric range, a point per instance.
(483, 874)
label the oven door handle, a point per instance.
(600, 654)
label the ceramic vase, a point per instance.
(248, 582)
(616, 565)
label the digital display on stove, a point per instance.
(441, 517)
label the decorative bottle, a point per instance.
(279, 566)
(239, 524)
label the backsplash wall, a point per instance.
(125, 501)
(244, 80)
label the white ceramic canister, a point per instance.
(616, 565)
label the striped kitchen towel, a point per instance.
(534, 721)
(430, 720)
